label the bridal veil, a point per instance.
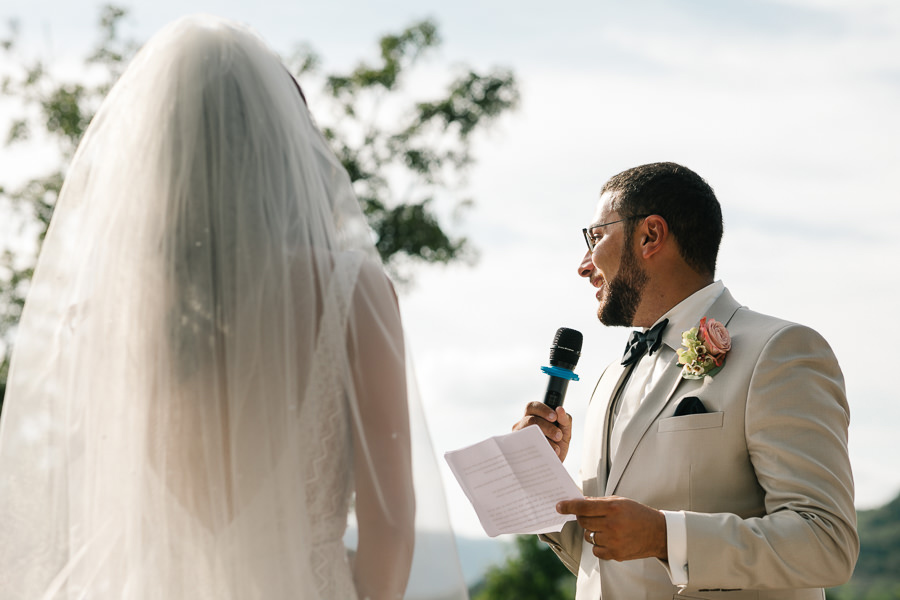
(210, 373)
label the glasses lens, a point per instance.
(588, 240)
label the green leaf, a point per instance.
(412, 229)
(18, 131)
(64, 114)
(304, 60)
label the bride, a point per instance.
(210, 375)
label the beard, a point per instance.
(623, 293)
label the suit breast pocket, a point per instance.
(687, 422)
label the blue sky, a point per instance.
(787, 107)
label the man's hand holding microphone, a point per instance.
(549, 415)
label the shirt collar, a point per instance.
(687, 313)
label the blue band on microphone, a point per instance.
(560, 372)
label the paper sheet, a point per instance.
(514, 482)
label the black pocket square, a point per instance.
(689, 406)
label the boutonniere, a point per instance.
(704, 349)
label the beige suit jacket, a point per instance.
(764, 476)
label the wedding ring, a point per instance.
(592, 538)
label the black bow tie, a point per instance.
(640, 342)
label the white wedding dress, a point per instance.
(328, 462)
(210, 377)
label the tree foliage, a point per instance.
(532, 573)
(402, 165)
(422, 146)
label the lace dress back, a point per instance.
(328, 454)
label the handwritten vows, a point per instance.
(514, 482)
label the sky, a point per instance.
(788, 108)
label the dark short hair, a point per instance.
(682, 198)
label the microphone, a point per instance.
(564, 354)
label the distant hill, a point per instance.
(877, 574)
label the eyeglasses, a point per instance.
(592, 241)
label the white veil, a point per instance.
(211, 362)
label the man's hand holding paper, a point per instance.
(514, 482)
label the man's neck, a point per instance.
(657, 300)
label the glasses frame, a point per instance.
(589, 240)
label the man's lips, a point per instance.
(600, 284)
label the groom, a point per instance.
(715, 452)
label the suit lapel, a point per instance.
(646, 414)
(722, 310)
(597, 422)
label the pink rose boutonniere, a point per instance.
(704, 349)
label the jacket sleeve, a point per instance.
(566, 544)
(796, 424)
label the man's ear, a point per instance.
(653, 234)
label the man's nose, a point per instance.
(586, 266)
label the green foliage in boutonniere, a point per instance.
(704, 349)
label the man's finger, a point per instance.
(540, 409)
(550, 430)
(583, 507)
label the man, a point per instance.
(725, 475)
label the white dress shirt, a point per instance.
(646, 374)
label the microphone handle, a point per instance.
(556, 391)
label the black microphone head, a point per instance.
(566, 348)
